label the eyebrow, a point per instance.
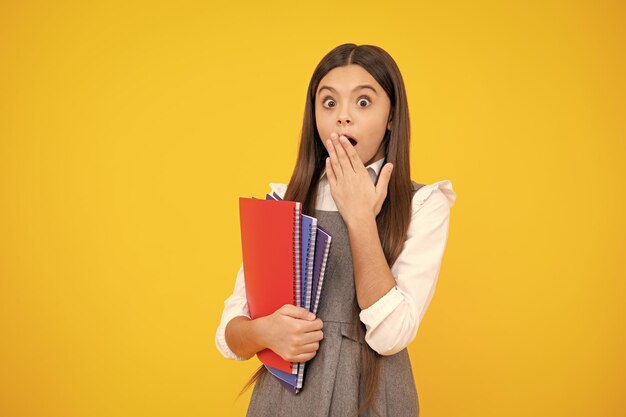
(358, 87)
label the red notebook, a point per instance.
(270, 243)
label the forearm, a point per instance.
(245, 336)
(372, 276)
(291, 332)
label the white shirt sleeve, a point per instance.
(237, 303)
(391, 322)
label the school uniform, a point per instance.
(332, 385)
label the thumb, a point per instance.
(296, 312)
(383, 180)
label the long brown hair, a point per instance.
(395, 214)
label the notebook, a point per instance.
(315, 249)
(322, 251)
(270, 240)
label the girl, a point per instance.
(389, 234)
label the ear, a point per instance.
(389, 122)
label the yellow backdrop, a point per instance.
(128, 130)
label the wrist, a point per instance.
(360, 221)
(258, 332)
(244, 336)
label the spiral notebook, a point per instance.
(315, 247)
(270, 243)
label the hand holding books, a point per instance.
(293, 333)
(284, 258)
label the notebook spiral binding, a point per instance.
(306, 303)
(296, 266)
(296, 252)
(309, 266)
(323, 270)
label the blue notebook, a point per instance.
(315, 249)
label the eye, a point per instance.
(328, 100)
(365, 100)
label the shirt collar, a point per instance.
(373, 168)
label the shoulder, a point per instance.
(278, 188)
(437, 196)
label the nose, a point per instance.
(343, 113)
(344, 120)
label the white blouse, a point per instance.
(391, 322)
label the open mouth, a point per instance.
(351, 139)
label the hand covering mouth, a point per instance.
(351, 139)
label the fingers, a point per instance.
(340, 153)
(312, 337)
(296, 312)
(343, 158)
(351, 154)
(310, 347)
(334, 159)
(306, 320)
(301, 347)
(303, 357)
(312, 326)
(305, 351)
(383, 180)
(294, 333)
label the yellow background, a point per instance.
(129, 129)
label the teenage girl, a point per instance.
(388, 238)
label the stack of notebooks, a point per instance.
(285, 255)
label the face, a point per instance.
(349, 101)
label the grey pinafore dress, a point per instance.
(332, 385)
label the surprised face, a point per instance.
(350, 102)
